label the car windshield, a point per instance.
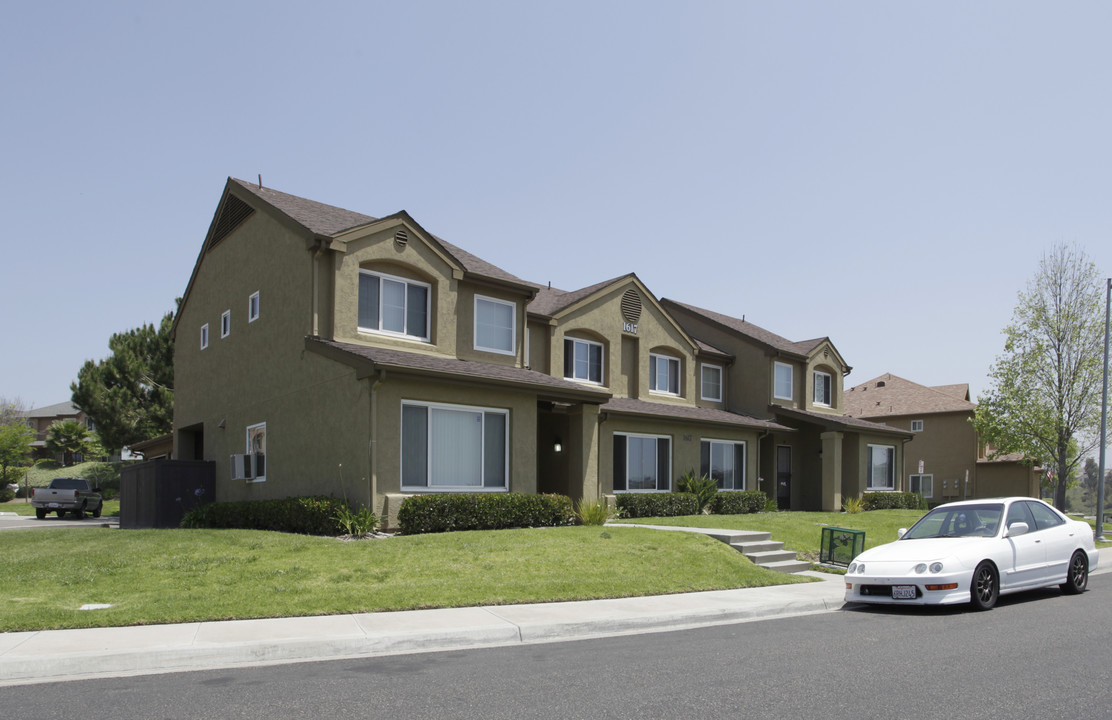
(961, 521)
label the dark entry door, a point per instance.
(783, 477)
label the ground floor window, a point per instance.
(454, 447)
(922, 484)
(724, 462)
(881, 464)
(642, 462)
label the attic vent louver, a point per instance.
(631, 305)
(234, 212)
(401, 238)
(881, 384)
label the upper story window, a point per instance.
(204, 336)
(824, 389)
(916, 426)
(393, 305)
(710, 382)
(583, 360)
(664, 374)
(253, 307)
(226, 323)
(783, 382)
(495, 327)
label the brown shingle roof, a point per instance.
(839, 422)
(454, 369)
(750, 330)
(550, 300)
(686, 413)
(960, 391)
(313, 216)
(890, 395)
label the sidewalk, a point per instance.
(59, 655)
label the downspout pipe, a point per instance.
(372, 487)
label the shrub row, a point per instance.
(302, 515)
(493, 511)
(892, 501)
(738, 503)
(658, 505)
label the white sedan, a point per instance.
(974, 551)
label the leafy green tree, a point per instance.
(15, 448)
(129, 395)
(67, 437)
(1044, 397)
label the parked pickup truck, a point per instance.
(75, 495)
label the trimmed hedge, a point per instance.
(302, 515)
(6, 494)
(657, 505)
(483, 511)
(891, 501)
(738, 503)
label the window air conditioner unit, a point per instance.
(243, 467)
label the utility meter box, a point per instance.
(841, 545)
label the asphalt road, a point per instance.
(1038, 654)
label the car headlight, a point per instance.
(852, 568)
(921, 568)
(936, 567)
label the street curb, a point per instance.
(51, 656)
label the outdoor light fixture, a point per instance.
(558, 447)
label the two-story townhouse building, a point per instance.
(318, 351)
(827, 456)
(946, 460)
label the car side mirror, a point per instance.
(900, 533)
(1018, 528)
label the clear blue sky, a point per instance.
(885, 174)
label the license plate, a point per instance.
(903, 592)
(53, 505)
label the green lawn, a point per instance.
(163, 576)
(802, 531)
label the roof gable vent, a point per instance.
(881, 384)
(232, 215)
(401, 238)
(631, 306)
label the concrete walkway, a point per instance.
(57, 655)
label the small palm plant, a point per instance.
(701, 486)
(853, 505)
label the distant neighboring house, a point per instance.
(40, 420)
(946, 460)
(319, 351)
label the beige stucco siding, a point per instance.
(260, 373)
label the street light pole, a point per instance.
(1103, 415)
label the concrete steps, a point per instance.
(759, 547)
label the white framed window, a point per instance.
(393, 305)
(916, 426)
(824, 389)
(664, 374)
(495, 325)
(881, 464)
(642, 463)
(922, 484)
(253, 307)
(583, 360)
(724, 462)
(204, 336)
(710, 382)
(256, 445)
(455, 448)
(783, 381)
(225, 323)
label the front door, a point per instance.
(783, 477)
